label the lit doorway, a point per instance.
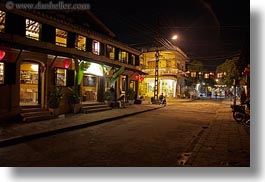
(29, 83)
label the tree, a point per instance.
(195, 66)
(230, 69)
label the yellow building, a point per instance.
(171, 72)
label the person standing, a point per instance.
(243, 96)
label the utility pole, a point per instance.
(156, 63)
(156, 75)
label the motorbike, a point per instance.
(163, 101)
(241, 114)
(238, 112)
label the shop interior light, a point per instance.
(34, 67)
(94, 69)
(2, 54)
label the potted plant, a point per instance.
(54, 99)
(130, 94)
(74, 100)
(107, 97)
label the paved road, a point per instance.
(171, 136)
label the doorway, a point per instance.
(29, 83)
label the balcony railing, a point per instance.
(163, 71)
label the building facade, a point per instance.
(171, 72)
(40, 51)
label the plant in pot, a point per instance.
(107, 97)
(54, 99)
(130, 94)
(74, 100)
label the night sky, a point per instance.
(208, 30)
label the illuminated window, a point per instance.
(219, 75)
(2, 21)
(193, 74)
(151, 64)
(123, 56)
(61, 37)
(80, 43)
(89, 81)
(60, 77)
(2, 73)
(95, 47)
(206, 75)
(168, 64)
(32, 29)
(110, 52)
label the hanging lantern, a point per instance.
(2, 54)
(136, 77)
(141, 78)
(67, 63)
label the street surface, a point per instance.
(180, 134)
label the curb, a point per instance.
(25, 138)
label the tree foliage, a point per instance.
(230, 69)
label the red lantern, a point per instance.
(2, 54)
(67, 63)
(141, 78)
(136, 77)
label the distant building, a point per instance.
(171, 72)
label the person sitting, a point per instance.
(136, 100)
(121, 101)
(161, 97)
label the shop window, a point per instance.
(61, 37)
(89, 81)
(2, 71)
(110, 52)
(32, 29)
(96, 47)
(80, 43)
(2, 21)
(60, 78)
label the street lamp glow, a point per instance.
(175, 37)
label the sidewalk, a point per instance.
(225, 143)
(20, 132)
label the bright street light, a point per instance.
(175, 37)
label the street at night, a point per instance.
(184, 133)
(96, 83)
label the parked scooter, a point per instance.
(241, 113)
(238, 112)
